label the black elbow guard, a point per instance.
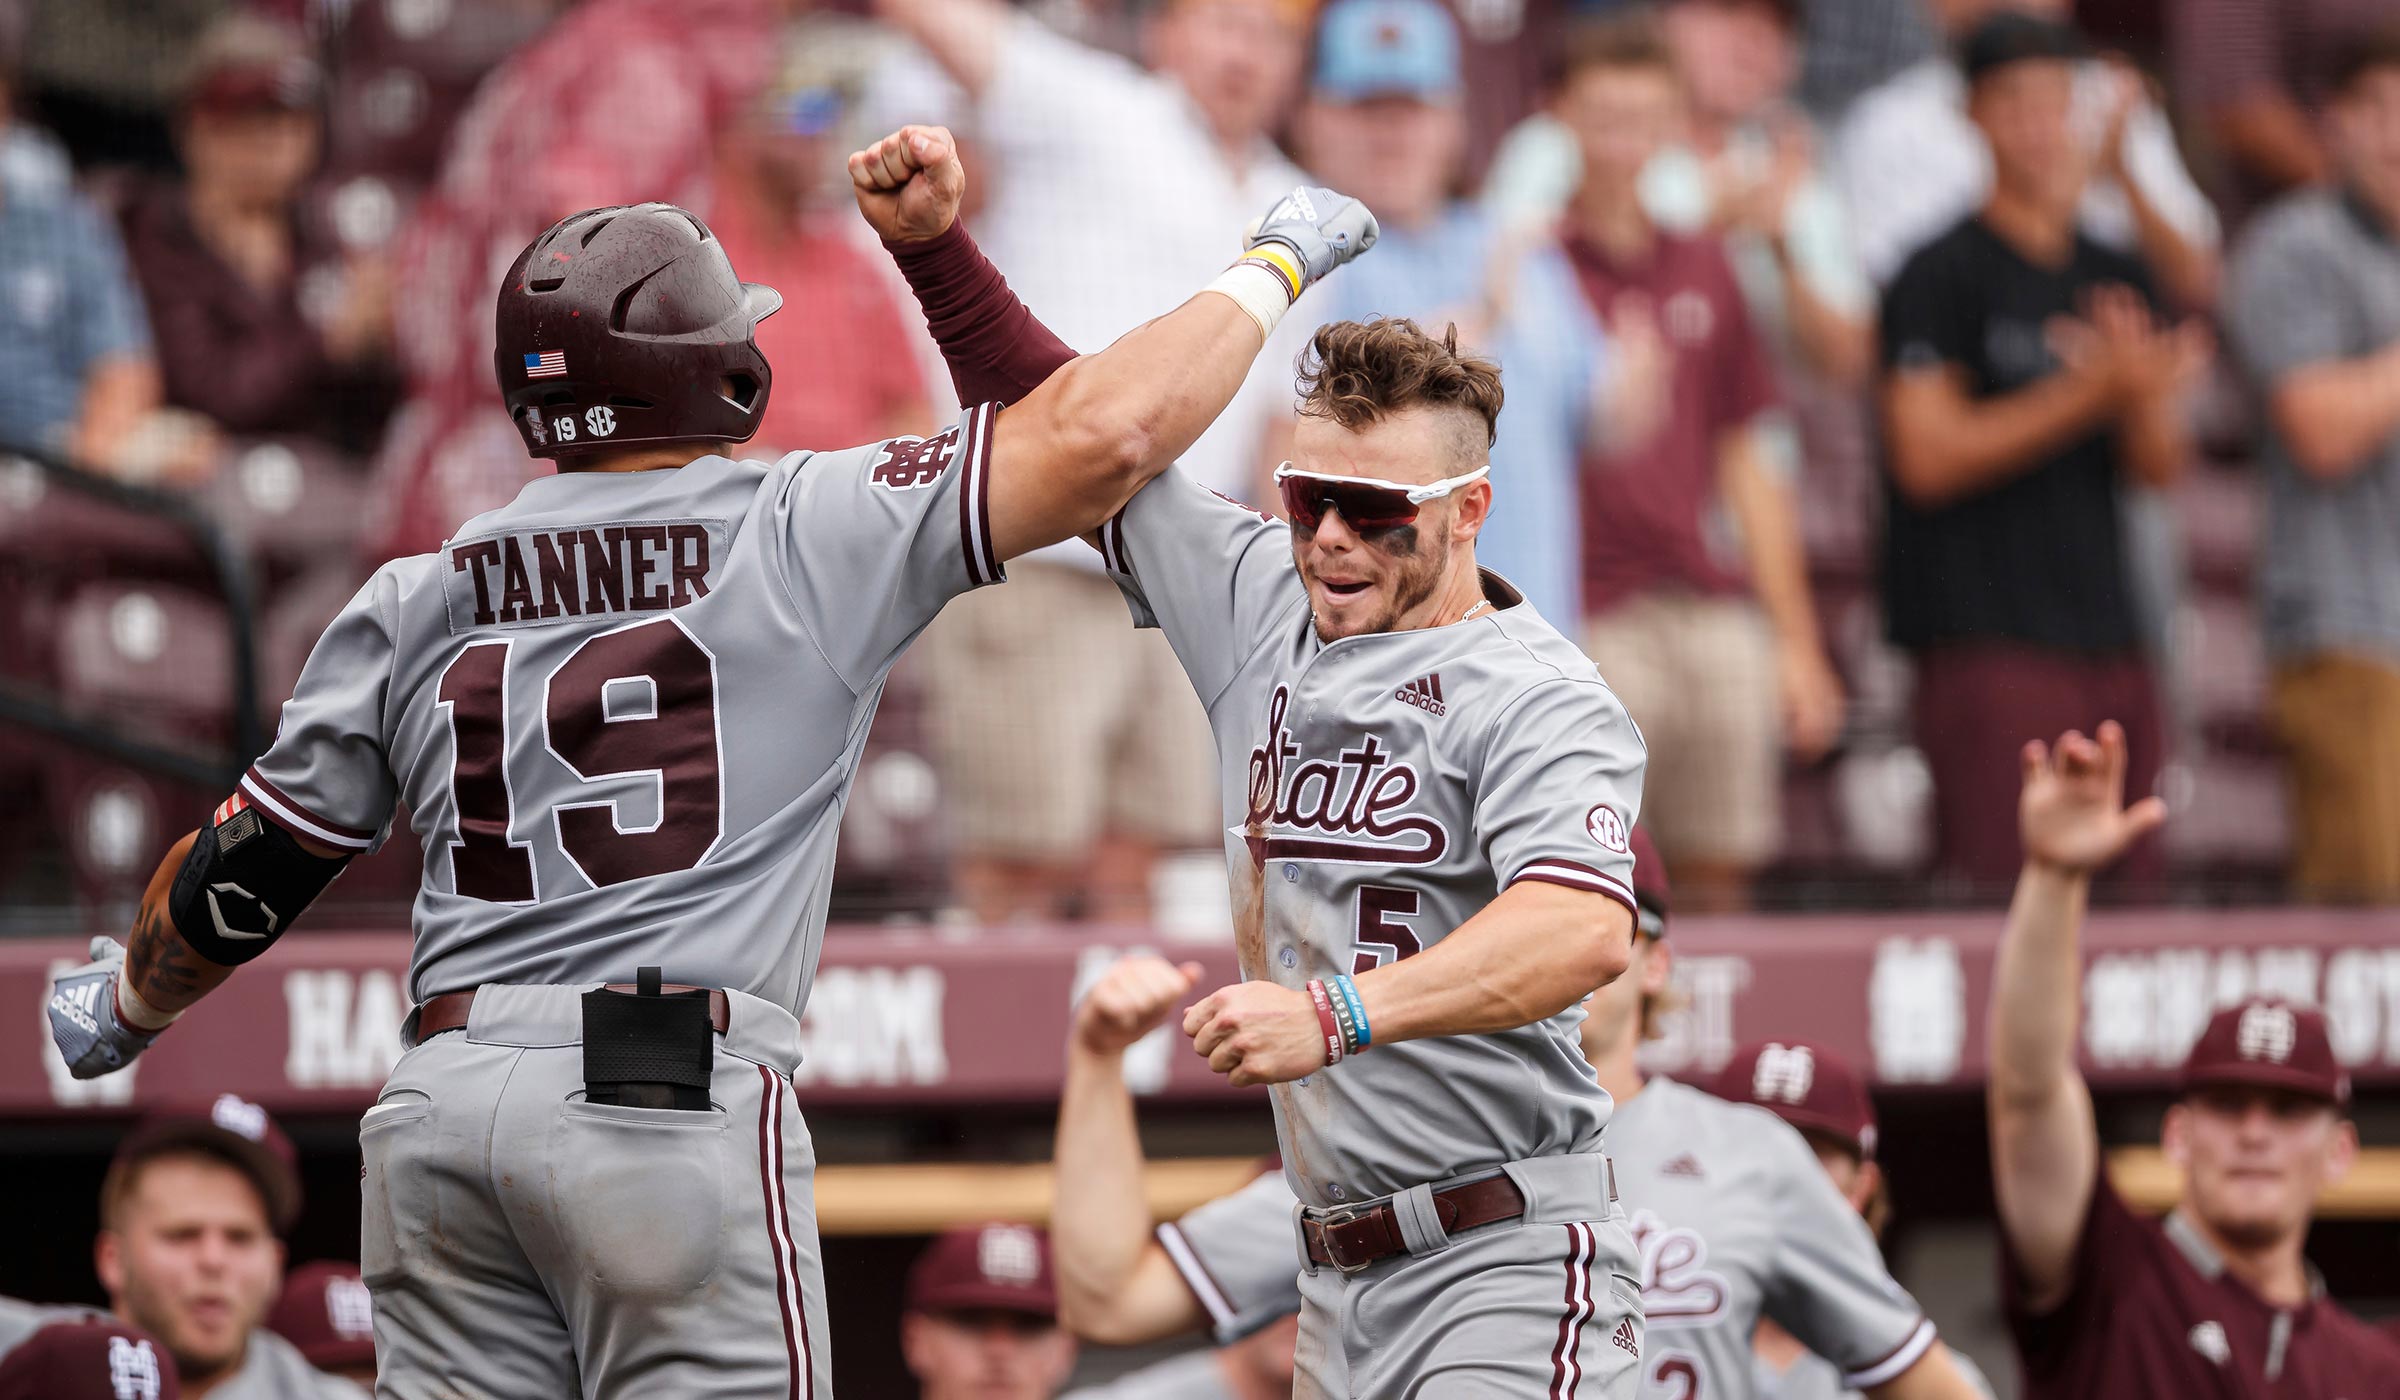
(243, 884)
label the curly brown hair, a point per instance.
(1357, 373)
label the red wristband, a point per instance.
(1334, 1048)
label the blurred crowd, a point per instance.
(1890, 382)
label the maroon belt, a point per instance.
(449, 1011)
(1352, 1237)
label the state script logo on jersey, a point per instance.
(1352, 807)
(912, 464)
(1678, 1287)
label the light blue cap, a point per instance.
(1386, 48)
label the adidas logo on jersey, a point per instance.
(1626, 1337)
(1425, 692)
(1685, 1165)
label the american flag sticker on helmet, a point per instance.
(548, 364)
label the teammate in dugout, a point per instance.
(1733, 1217)
(1822, 1096)
(2218, 1299)
(624, 711)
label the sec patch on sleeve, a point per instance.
(1606, 827)
(912, 464)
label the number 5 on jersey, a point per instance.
(637, 703)
(1382, 937)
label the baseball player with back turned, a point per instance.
(624, 711)
(1733, 1217)
(1427, 793)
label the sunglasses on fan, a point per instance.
(1363, 502)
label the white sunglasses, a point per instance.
(1364, 502)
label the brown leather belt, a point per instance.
(449, 1011)
(1351, 1238)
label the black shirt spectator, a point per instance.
(2038, 558)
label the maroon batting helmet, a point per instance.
(626, 325)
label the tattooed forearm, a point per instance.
(160, 967)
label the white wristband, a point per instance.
(1262, 295)
(139, 1014)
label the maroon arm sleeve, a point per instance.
(995, 348)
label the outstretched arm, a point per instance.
(1115, 1282)
(107, 1012)
(2045, 1144)
(1076, 448)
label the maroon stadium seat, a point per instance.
(149, 659)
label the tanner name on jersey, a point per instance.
(529, 577)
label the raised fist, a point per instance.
(1129, 1001)
(1321, 228)
(909, 184)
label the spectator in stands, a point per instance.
(1910, 165)
(1748, 169)
(1744, 166)
(981, 1317)
(1384, 108)
(1696, 602)
(191, 1217)
(262, 323)
(618, 100)
(328, 1313)
(2028, 375)
(768, 204)
(2218, 1297)
(2314, 310)
(2254, 74)
(1853, 45)
(1073, 753)
(76, 373)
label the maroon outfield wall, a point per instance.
(917, 1018)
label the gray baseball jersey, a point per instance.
(1240, 1255)
(272, 1369)
(1380, 790)
(20, 1319)
(1734, 1216)
(624, 710)
(1815, 1378)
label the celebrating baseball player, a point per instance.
(1427, 794)
(1733, 1216)
(2217, 1299)
(624, 712)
